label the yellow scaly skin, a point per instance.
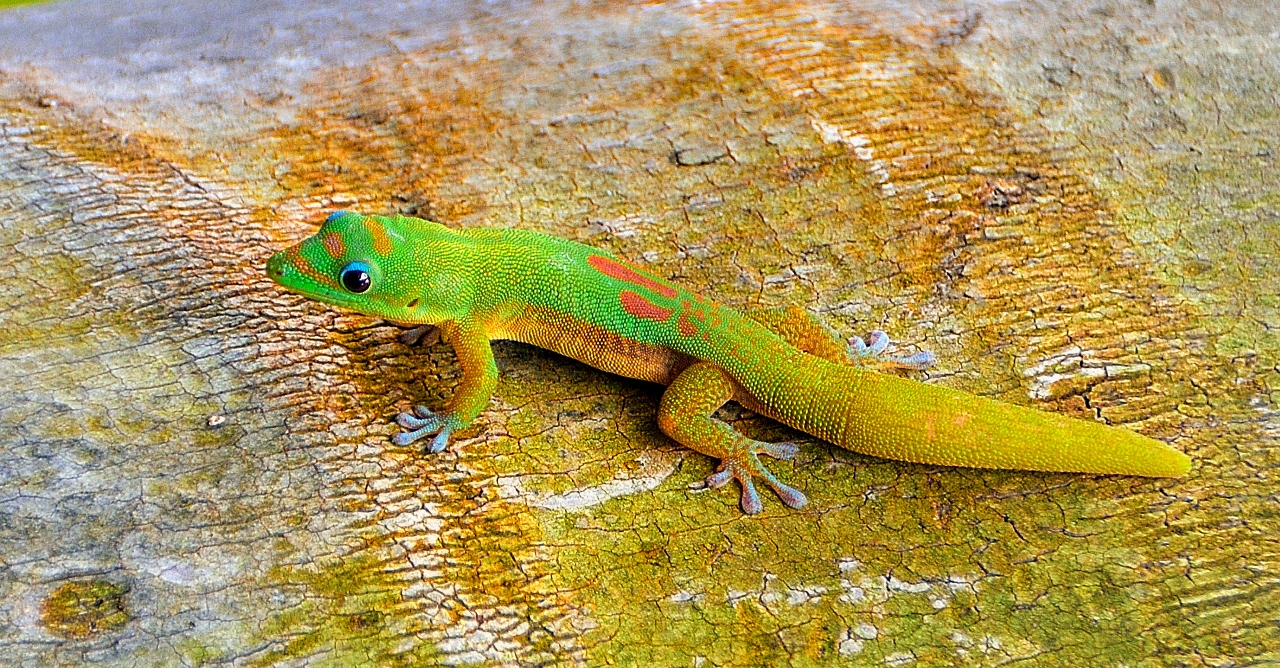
(582, 302)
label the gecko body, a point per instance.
(585, 303)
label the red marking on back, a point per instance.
(686, 326)
(614, 269)
(381, 242)
(333, 244)
(640, 307)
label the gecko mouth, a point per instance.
(320, 294)
(284, 274)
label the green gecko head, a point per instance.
(386, 267)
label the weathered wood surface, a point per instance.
(1077, 207)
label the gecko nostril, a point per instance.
(412, 304)
(276, 266)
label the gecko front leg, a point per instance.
(479, 378)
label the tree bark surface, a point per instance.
(1076, 206)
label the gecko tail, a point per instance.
(897, 418)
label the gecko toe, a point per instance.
(788, 494)
(407, 437)
(857, 348)
(872, 351)
(877, 342)
(785, 450)
(421, 418)
(721, 477)
(423, 422)
(917, 362)
(751, 503)
(745, 468)
(412, 422)
(791, 496)
(440, 442)
(732, 469)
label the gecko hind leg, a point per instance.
(809, 333)
(685, 415)
(803, 330)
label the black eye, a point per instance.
(355, 277)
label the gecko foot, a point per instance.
(873, 350)
(745, 465)
(427, 335)
(423, 422)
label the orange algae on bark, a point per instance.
(766, 154)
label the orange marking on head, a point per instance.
(333, 243)
(685, 325)
(381, 242)
(617, 270)
(300, 262)
(640, 307)
(697, 313)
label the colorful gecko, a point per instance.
(478, 285)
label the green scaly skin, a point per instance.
(480, 285)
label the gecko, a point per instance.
(480, 285)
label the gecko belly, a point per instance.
(594, 345)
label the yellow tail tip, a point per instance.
(1173, 465)
(1151, 458)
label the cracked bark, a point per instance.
(1075, 207)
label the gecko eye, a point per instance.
(355, 277)
(334, 216)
